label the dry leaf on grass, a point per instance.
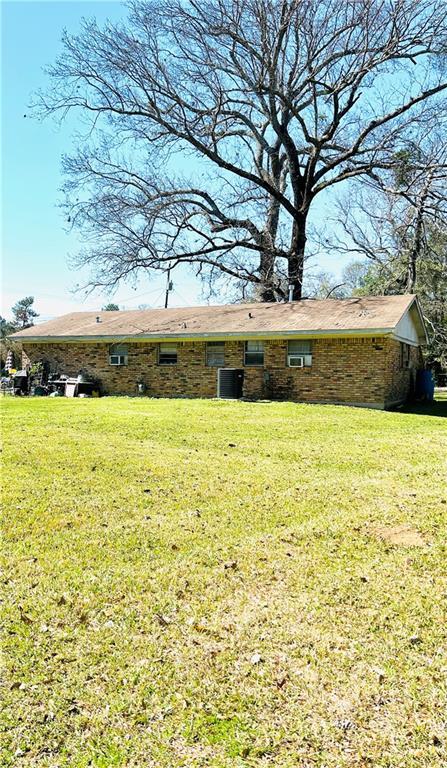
(23, 616)
(164, 621)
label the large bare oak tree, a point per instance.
(216, 125)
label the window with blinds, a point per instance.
(215, 353)
(299, 354)
(118, 354)
(254, 353)
(167, 354)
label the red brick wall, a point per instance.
(190, 377)
(400, 382)
(343, 370)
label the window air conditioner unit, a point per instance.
(117, 360)
(295, 361)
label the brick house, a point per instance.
(359, 351)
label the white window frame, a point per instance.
(173, 346)
(295, 361)
(258, 351)
(405, 356)
(305, 353)
(209, 354)
(117, 360)
(118, 354)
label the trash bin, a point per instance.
(425, 386)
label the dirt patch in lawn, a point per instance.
(400, 535)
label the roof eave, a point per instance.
(421, 315)
(415, 302)
(237, 335)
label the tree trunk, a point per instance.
(417, 246)
(414, 256)
(267, 271)
(267, 294)
(411, 271)
(296, 258)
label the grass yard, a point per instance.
(209, 583)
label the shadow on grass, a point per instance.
(437, 408)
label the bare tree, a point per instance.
(398, 224)
(391, 218)
(264, 104)
(325, 285)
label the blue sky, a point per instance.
(35, 245)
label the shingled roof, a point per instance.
(372, 315)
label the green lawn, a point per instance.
(205, 583)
